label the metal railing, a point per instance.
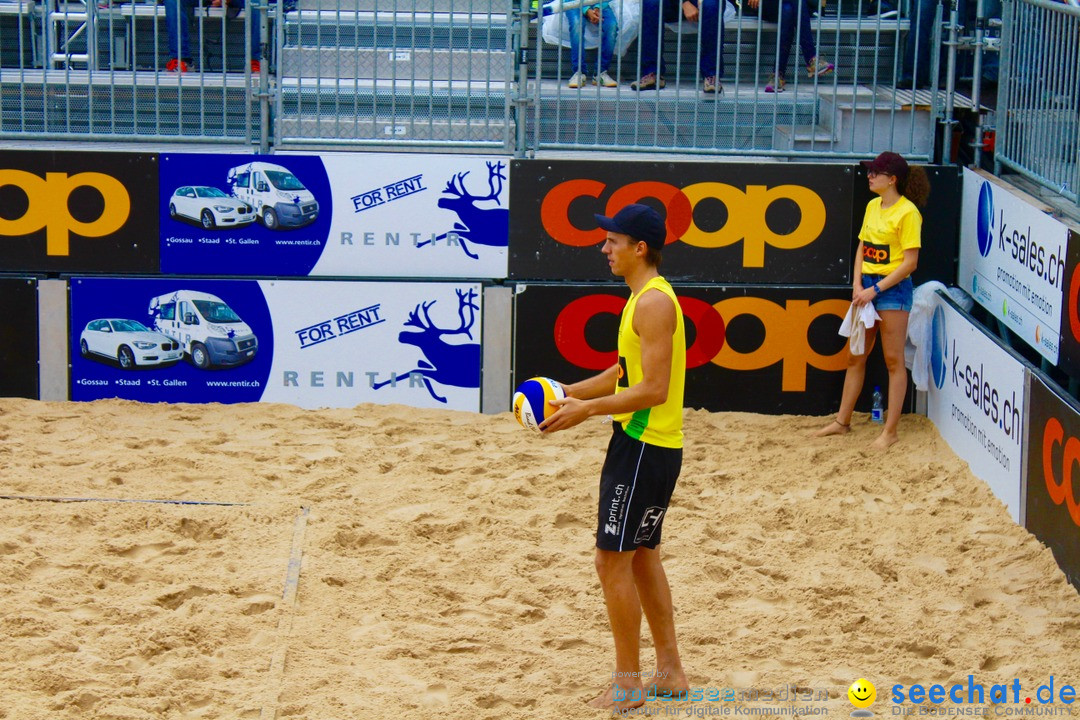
(1038, 134)
(469, 74)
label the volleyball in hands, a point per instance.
(532, 401)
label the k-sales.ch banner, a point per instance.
(749, 349)
(727, 222)
(305, 342)
(1013, 262)
(976, 400)
(342, 215)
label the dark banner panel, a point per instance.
(750, 349)
(19, 338)
(1069, 344)
(1053, 476)
(78, 211)
(727, 222)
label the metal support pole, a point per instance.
(950, 82)
(976, 80)
(264, 80)
(523, 16)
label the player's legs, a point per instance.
(893, 333)
(624, 614)
(853, 382)
(654, 594)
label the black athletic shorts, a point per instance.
(635, 488)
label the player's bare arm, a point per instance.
(655, 323)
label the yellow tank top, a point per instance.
(660, 425)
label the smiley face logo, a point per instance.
(862, 693)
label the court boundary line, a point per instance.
(276, 673)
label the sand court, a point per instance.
(447, 565)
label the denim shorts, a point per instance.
(898, 297)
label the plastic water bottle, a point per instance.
(877, 411)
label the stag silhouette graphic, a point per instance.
(476, 224)
(457, 365)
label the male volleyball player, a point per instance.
(643, 392)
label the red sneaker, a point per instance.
(256, 66)
(176, 65)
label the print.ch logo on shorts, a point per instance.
(984, 221)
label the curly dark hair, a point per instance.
(916, 186)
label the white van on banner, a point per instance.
(976, 400)
(1012, 261)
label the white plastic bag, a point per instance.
(920, 332)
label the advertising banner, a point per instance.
(749, 349)
(19, 338)
(342, 215)
(976, 400)
(1012, 261)
(1053, 495)
(308, 343)
(727, 223)
(78, 212)
(1069, 357)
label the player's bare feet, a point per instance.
(671, 681)
(834, 428)
(626, 698)
(884, 440)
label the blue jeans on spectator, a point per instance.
(790, 20)
(609, 30)
(917, 44)
(710, 29)
(178, 15)
(917, 48)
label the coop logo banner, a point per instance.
(1052, 510)
(402, 215)
(343, 343)
(779, 346)
(354, 215)
(79, 211)
(976, 401)
(725, 223)
(1012, 261)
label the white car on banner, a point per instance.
(1012, 261)
(976, 400)
(128, 342)
(210, 207)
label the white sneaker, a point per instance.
(578, 79)
(605, 80)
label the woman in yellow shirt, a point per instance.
(888, 253)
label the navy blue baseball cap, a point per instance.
(638, 221)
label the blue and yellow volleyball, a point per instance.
(531, 401)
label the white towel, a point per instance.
(855, 324)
